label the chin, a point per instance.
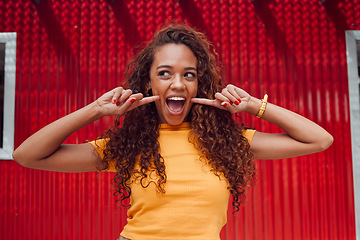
(175, 122)
(175, 117)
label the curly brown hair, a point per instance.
(218, 137)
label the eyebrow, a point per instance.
(168, 66)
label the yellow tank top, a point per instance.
(196, 200)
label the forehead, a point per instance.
(172, 53)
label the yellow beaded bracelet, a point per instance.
(263, 106)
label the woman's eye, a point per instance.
(190, 75)
(164, 74)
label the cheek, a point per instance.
(157, 90)
(154, 87)
(194, 89)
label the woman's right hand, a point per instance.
(44, 149)
(119, 101)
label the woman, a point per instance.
(178, 154)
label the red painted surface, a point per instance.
(70, 52)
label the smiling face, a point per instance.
(173, 76)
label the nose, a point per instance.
(178, 83)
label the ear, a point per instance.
(148, 86)
(148, 89)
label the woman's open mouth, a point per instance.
(175, 105)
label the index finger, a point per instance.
(206, 101)
(137, 100)
(147, 100)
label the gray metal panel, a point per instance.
(9, 94)
(351, 52)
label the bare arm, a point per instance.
(302, 135)
(44, 149)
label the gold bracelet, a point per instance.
(263, 106)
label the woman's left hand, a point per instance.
(301, 136)
(231, 98)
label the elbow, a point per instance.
(326, 142)
(16, 155)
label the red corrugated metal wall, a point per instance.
(70, 52)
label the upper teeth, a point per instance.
(177, 98)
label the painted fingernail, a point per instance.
(117, 103)
(132, 100)
(231, 103)
(239, 100)
(236, 102)
(224, 104)
(114, 100)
